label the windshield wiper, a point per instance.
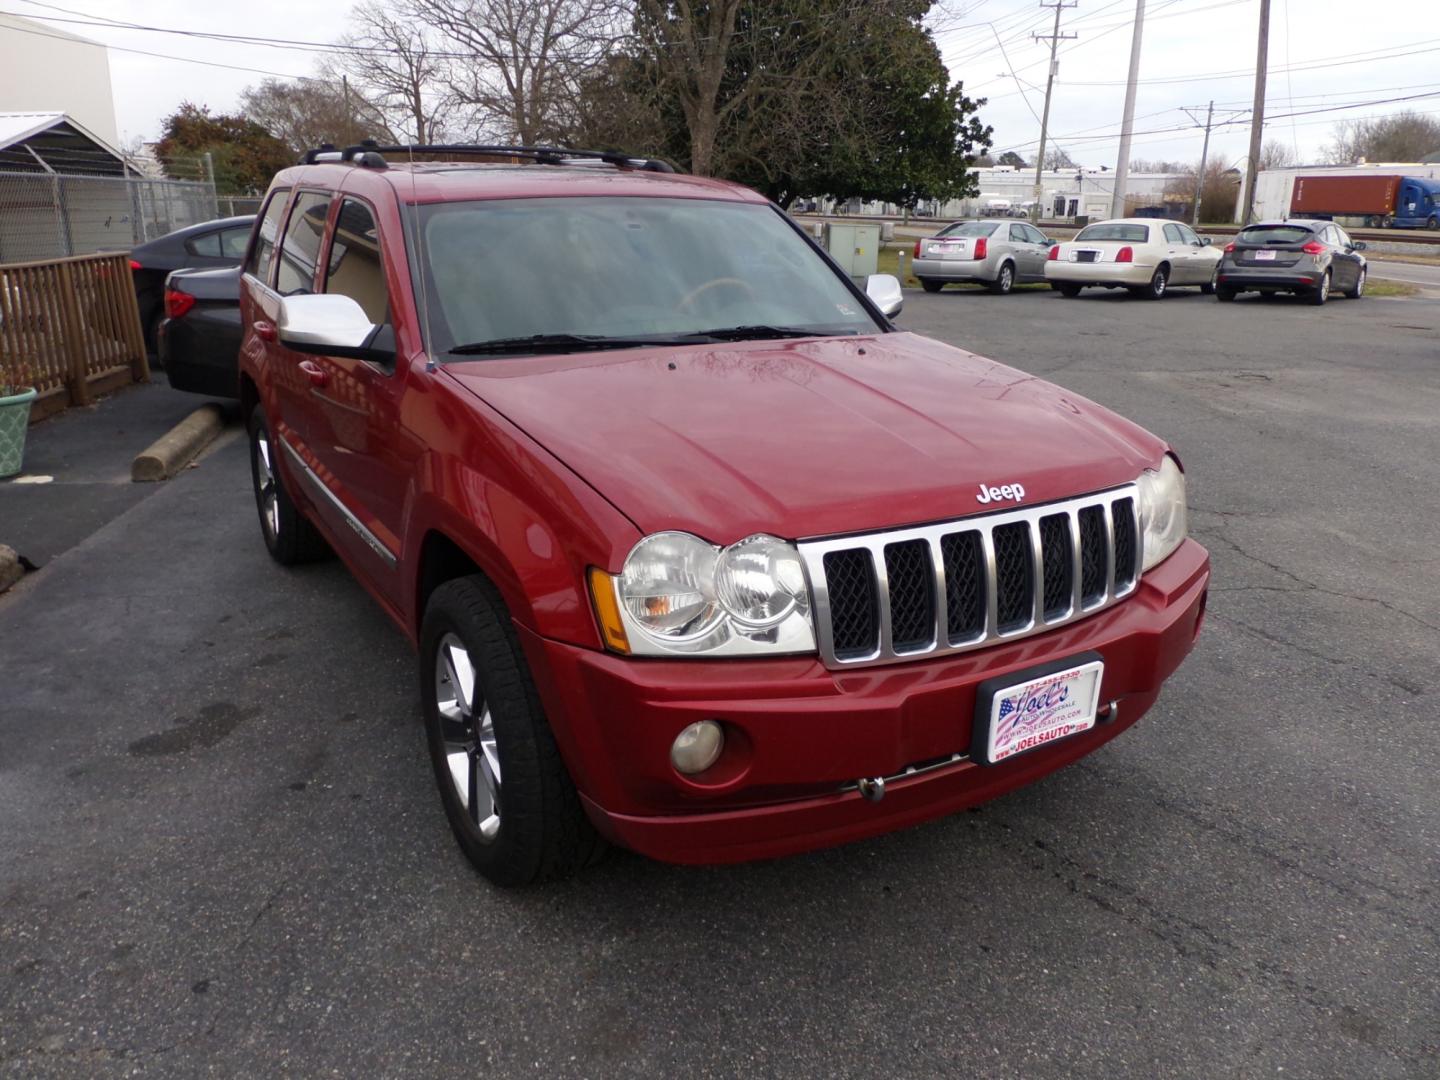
(548, 343)
(755, 333)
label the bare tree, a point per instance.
(308, 112)
(1278, 155)
(1219, 190)
(1401, 136)
(1055, 158)
(389, 54)
(529, 58)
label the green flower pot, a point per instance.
(14, 419)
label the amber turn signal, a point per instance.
(607, 611)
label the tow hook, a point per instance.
(1110, 712)
(871, 788)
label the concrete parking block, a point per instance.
(175, 449)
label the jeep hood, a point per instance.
(808, 437)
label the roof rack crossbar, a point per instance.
(370, 154)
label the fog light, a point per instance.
(697, 747)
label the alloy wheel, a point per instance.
(265, 489)
(468, 729)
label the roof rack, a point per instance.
(370, 154)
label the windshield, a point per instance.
(624, 268)
(1130, 234)
(1275, 234)
(970, 228)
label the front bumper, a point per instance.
(799, 735)
(1078, 273)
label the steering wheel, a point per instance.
(719, 282)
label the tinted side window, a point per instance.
(258, 264)
(355, 268)
(300, 250)
(206, 244)
(232, 243)
(1172, 233)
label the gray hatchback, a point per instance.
(1308, 258)
(995, 253)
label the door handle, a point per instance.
(317, 375)
(265, 331)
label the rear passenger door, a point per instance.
(1042, 249)
(1182, 264)
(1026, 264)
(1346, 262)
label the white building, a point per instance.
(44, 69)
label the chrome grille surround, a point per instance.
(940, 643)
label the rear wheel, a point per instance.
(289, 537)
(1159, 282)
(1224, 294)
(1321, 292)
(931, 286)
(1004, 281)
(1067, 289)
(507, 794)
(1358, 289)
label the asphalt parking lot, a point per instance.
(221, 849)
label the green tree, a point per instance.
(245, 155)
(793, 97)
(1011, 158)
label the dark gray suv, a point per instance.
(1308, 258)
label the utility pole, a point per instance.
(1204, 153)
(1257, 118)
(1054, 37)
(1122, 167)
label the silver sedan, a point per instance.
(995, 253)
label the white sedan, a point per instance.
(1144, 255)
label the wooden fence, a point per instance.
(71, 329)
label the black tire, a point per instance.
(1211, 286)
(289, 536)
(542, 833)
(1159, 282)
(1225, 295)
(1321, 292)
(1433, 223)
(1066, 289)
(931, 286)
(1356, 291)
(1004, 280)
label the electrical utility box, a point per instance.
(855, 247)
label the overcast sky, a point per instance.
(1193, 51)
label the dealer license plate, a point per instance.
(1265, 255)
(1041, 710)
(946, 246)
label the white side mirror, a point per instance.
(885, 292)
(331, 325)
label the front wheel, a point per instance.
(931, 286)
(1159, 281)
(1358, 289)
(1004, 281)
(289, 537)
(1210, 287)
(1321, 292)
(1433, 223)
(506, 792)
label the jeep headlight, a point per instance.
(678, 595)
(1162, 510)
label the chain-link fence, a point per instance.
(238, 205)
(47, 216)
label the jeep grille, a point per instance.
(960, 585)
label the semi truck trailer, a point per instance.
(1400, 202)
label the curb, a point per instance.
(10, 569)
(170, 453)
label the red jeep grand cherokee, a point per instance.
(702, 556)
